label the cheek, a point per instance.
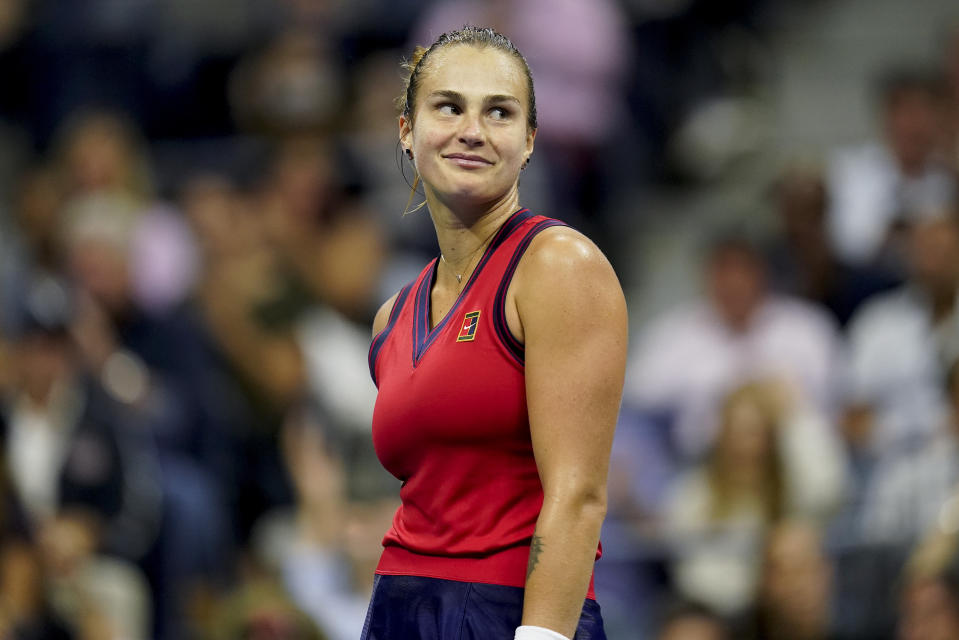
(516, 145)
(431, 139)
(426, 147)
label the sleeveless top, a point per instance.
(451, 423)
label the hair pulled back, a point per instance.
(468, 35)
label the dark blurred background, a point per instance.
(201, 207)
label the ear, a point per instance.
(530, 139)
(406, 131)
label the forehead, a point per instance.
(474, 71)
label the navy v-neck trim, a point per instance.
(423, 336)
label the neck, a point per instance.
(462, 230)
(740, 321)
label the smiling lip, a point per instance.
(468, 161)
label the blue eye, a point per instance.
(448, 109)
(499, 113)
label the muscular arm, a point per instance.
(573, 320)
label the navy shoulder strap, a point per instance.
(384, 334)
(513, 346)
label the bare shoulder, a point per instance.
(383, 315)
(563, 259)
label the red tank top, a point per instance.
(451, 423)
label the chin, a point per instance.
(470, 199)
(474, 193)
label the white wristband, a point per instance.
(529, 632)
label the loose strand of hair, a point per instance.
(406, 210)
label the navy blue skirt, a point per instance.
(415, 608)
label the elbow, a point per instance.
(584, 503)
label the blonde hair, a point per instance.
(771, 494)
(116, 129)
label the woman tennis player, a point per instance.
(499, 371)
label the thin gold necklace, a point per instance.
(459, 276)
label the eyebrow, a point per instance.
(459, 97)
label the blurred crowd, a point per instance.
(201, 206)
(786, 464)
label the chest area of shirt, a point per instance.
(460, 394)
(459, 324)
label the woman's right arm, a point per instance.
(383, 315)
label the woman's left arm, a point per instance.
(573, 318)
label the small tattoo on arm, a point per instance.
(535, 548)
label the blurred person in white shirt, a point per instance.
(690, 357)
(878, 186)
(919, 493)
(900, 345)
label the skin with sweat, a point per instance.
(468, 136)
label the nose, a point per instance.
(472, 133)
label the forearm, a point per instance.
(562, 555)
(271, 361)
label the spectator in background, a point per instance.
(101, 152)
(287, 272)
(317, 547)
(901, 343)
(691, 621)
(293, 86)
(245, 296)
(370, 139)
(951, 65)
(331, 249)
(918, 491)
(802, 260)
(876, 187)
(795, 595)
(97, 240)
(289, 275)
(771, 460)
(27, 612)
(100, 159)
(929, 603)
(260, 610)
(166, 364)
(688, 358)
(31, 261)
(322, 232)
(248, 303)
(80, 463)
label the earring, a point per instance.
(409, 153)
